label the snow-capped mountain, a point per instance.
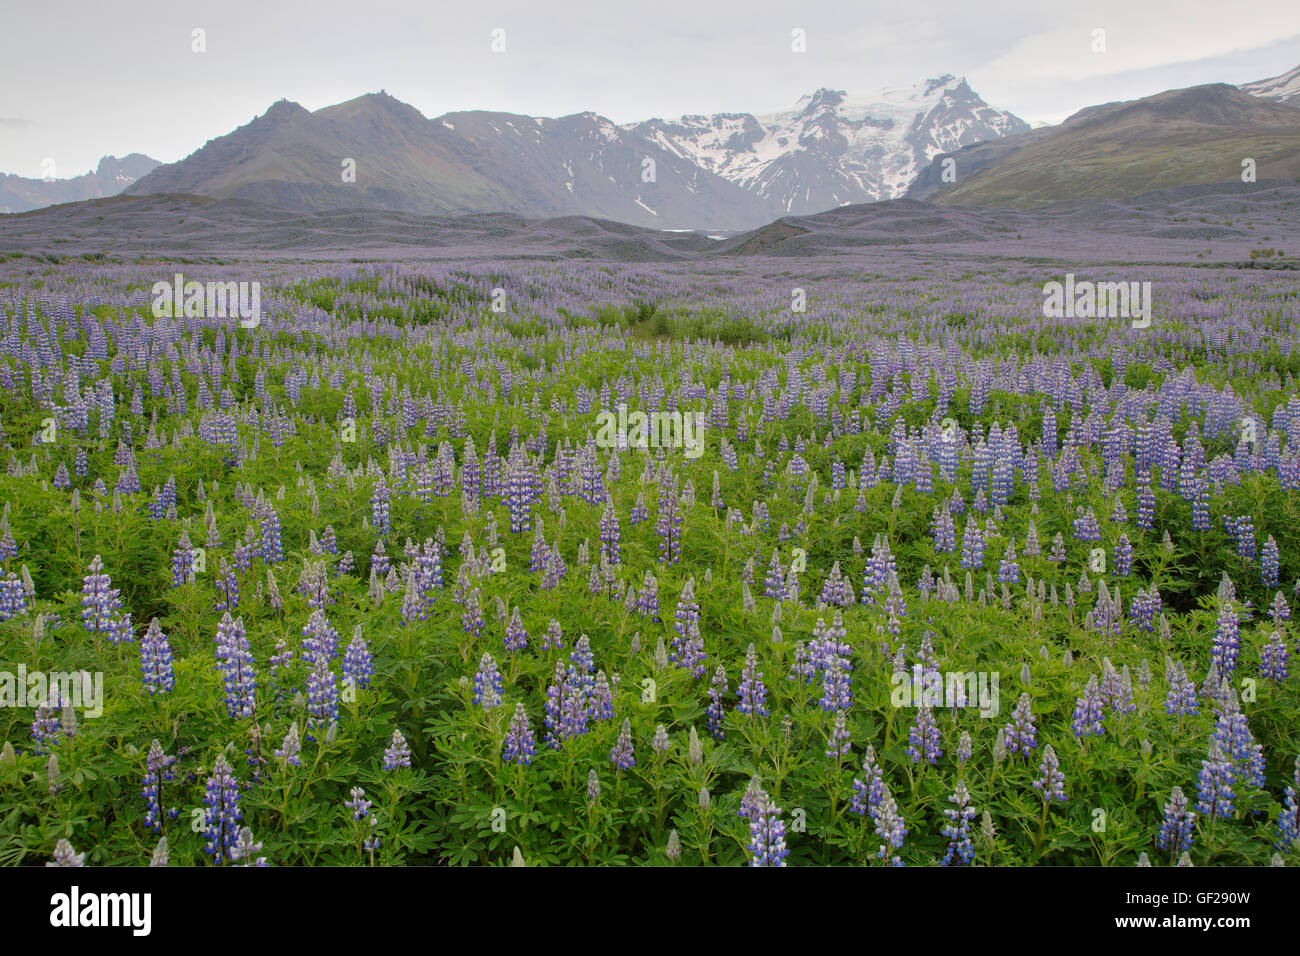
(831, 148)
(1283, 89)
(725, 172)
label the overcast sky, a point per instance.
(80, 80)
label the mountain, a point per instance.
(1181, 137)
(831, 149)
(1283, 89)
(110, 177)
(725, 172)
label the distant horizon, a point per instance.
(136, 85)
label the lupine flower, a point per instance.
(1227, 641)
(487, 683)
(358, 803)
(322, 697)
(660, 743)
(1176, 829)
(889, 824)
(290, 750)
(752, 692)
(156, 660)
(715, 711)
(767, 833)
(923, 738)
(961, 849)
(65, 855)
(867, 792)
(1051, 782)
(235, 662)
(157, 770)
(1216, 784)
(398, 752)
(221, 821)
(516, 638)
(622, 756)
(357, 666)
(593, 786)
(1273, 659)
(1021, 735)
(1288, 815)
(838, 744)
(1089, 712)
(1181, 698)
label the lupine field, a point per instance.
(363, 585)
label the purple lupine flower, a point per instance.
(66, 855)
(1089, 712)
(600, 700)
(182, 560)
(889, 824)
(1181, 698)
(1273, 659)
(322, 698)
(358, 803)
(487, 683)
(923, 738)
(838, 744)
(622, 755)
(221, 821)
(235, 662)
(964, 747)
(767, 833)
(398, 752)
(1021, 735)
(716, 711)
(357, 664)
(972, 546)
(868, 792)
(1051, 783)
(157, 771)
(520, 745)
(47, 722)
(290, 750)
(471, 618)
(101, 603)
(1176, 829)
(1227, 640)
(13, 598)
(1008, 567)
(156, 660)
(516, 638)
(1232, 734)
(752, 692)
(379, 506)
(961, 849)
(1216, 784)
(1288, 814)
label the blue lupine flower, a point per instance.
(1176, 829)
(487, 683)
(1216, 784)
(221, 821)
(622, 756)
(156, 660)
(1089, 712)
(1051, 782)
(961, 849)
(767, 833)
(398, 753)
(752, 692)
(235, 662)
(923, 738)
(1021, 735)
(157, 770)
